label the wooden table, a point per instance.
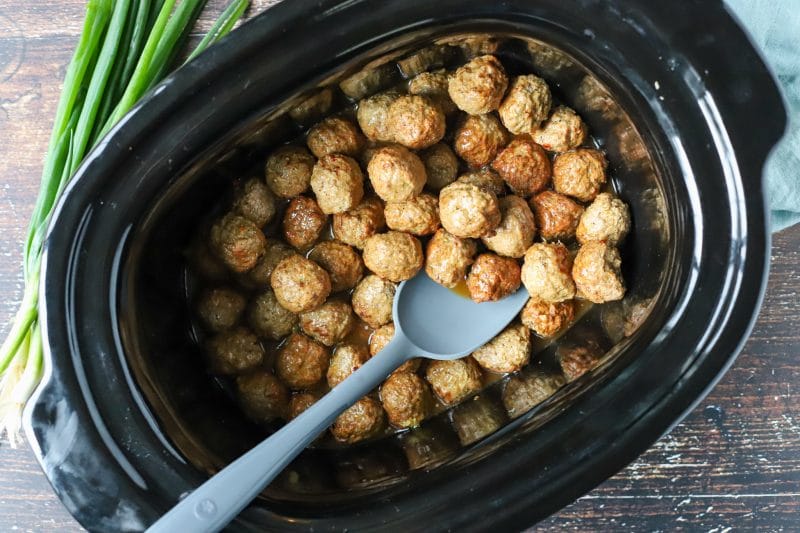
(734, 463)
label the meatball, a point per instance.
(441, 166)
(524, 165)
(372, 300)
(362, 420)
(275, 252)
(255, 202)
(268, 318)
(415, 122)
(492, 278)
(338, 183)
(378, 341)
(607, 219)
(563, 131)
(449, 258)
(546, 272)
(288, 171)
(405, 399)
(452, 381)
(346, 359)
(354, 227)
(526, 105)
(342, 262)
(418, 216)
(373, 115)
(298, 403)
(303, 222)
(220, 309)
(576, 360)
(507, 352)
(262, 396)
(556, 215)
(434, 86)
(394, 255)
(580, 173)
(516, 231)
(204, 262)
(234, 351)
(597, 272)
(468, 211)
(547, 318)
(524, 392)
(479, 139)
(335, 135)
(396, 173)
(487, 179)
(300, 284)
(237, 242)
(479, 86)
(328, 323)
(301, 362)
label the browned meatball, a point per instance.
(396, 173)
(337, 183)
(452, 381)
(373, 115)
(479, 139)
(328, 323)
(255, 202)
(580, 173)
(441, 166)
(547, 318)
(234, 351)
(303, 222)
(607, 219)
(335, 135)
(372, 300)
(342, 262)
(262, 396)
(394, 255)
(524, 392)
(276, 251)
(300, 284)
(526, 105)
(546, 272)
(479, 86)
(268, 318)
(364, 419)
(415, 122)
(418, 216)
(597, 272)
(301, 362)
(449, 258)
(378, 341)
(576, 360)
(288, 171)
(485, 178)
(346, 359)
(354, 227)
(434, 86)
(299, 402)
(556, 215)
(516, 231)
(563, 131)
(468, 211)
(524, 165)
(220, 309)
(405, 399)
(237, 242)
(507, 352)
(492, 278)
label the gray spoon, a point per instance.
(430, 321)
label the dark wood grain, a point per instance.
(733, 464)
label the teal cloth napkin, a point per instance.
(774, 26)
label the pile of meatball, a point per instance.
(510, 195)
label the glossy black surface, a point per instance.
(112, 435)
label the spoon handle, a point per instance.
(216, 502)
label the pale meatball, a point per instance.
(372, 300)
(346, 359)
(298, 403)
(418, 216)
(328, 323)
(276, 251)
(342, 262)
(597, 272)
(449, 258)
(557, 216)
(405, 399)
(335, 135)
(237, 242)
(354, 227)
(452, 381)
(234, 351)
(415, 122)
(301, 362)
(378, 341)
(526, 105)
(362, 420)
(303, 222)
(492, 278)
(607, 219)
(563, 131)
(255, 202)
(487, 179)
(434, 86)
(396, 173)
(468, 211)
(516, 231)
(441, 166)
(288, 171)
(394, 255)
(580, 173)
(547, 318)
(220, 309)
(524, 165)
(524, 392)
(268, 318)
(479, 139)
(507, 352)
(300, 284)
(262, 396)
(546, 272)
(373, 115)
(337, 183)
(479, 86)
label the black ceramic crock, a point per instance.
(679, 99)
